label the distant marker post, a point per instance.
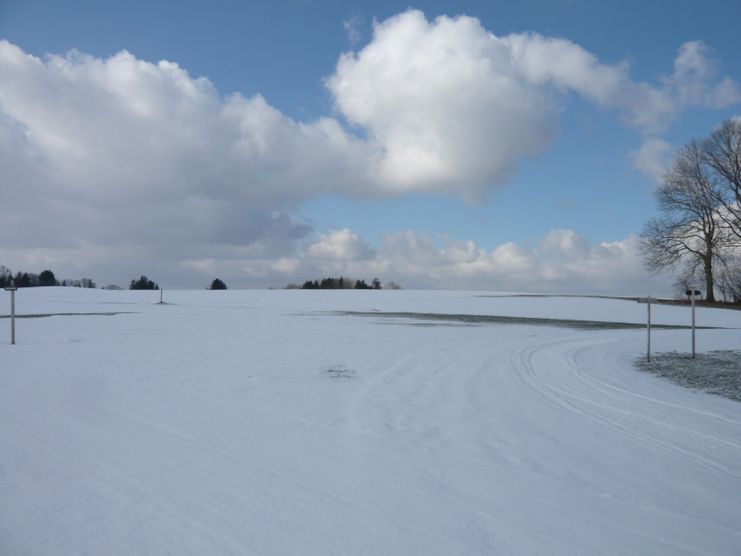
(12, 289)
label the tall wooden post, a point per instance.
(648, 330)
(692, 293)
(693, 325)
(12, 290)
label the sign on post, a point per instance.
(692, 294)
(647, 300)
(12, 290)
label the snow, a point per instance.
(263, 422)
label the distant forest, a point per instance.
(47, 278)
(44, 278)
(343, 283)
(143, 283)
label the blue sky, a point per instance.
(585, 178)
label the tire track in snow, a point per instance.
(617, 410)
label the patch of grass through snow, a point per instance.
(45, 315)
(340, 372)
(497, 319)
(715, 372)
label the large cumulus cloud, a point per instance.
(124, 150)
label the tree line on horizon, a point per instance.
(47, 278)
(698, 230)
(44, 278)
(144, 283)
(343, 283)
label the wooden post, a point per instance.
(693, 324)
(692, 293)
(12, 289)
(648, 330)
(647, 300)
(12, 317)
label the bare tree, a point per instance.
(688, 231)
(729, 280)
(722, 154)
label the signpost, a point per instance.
(12, 288)
(647, 300)
(692, 293)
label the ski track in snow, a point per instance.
(198, 428)
(616, 409)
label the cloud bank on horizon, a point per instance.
(125, 154)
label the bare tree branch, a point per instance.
(722, 154)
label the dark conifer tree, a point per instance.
(47, 278)
(143, 283)
(217, 284)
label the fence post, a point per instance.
(647, 300)
(692, 293)
(12, 288)
(693, 325)
(648, 330)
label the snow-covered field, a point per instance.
(261, 422)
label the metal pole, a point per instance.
(693, 323)
(648, 330)
(12, 317)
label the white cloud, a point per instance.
(341, 245)
(568, 67)
(653, 158)
(444, 103)
(353, 26)
(562, 262)
(695, 70)
(453, 107)
(122, 149)
(650, 108)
